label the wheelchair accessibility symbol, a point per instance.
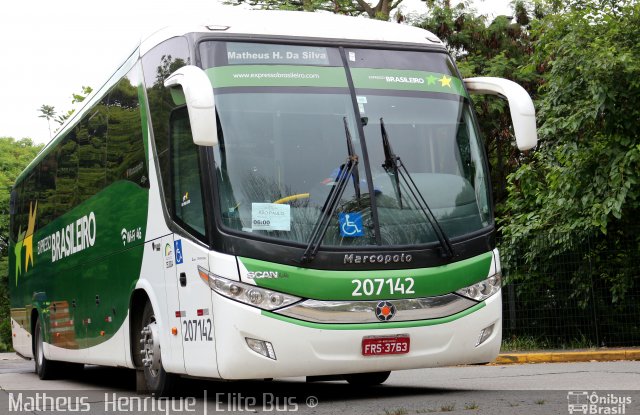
(351, 224)
(178, 248)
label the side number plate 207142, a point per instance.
(376, 346)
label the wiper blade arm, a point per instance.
(394, 163)
(391, 161)
(346, 171)
(352, 153)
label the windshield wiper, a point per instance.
(393, 164)
(347, 170)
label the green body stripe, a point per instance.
(376, 326)
(63, 286)
(277, 75)
(339, 285)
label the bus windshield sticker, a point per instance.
(352, 56)
(168, 256)
(406, 80)
(351, 224)
(185, 199)
(270, 217)
(276, 75)
(262, 53)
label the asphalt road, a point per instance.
(596, 387)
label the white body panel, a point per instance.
(305, 351)
(262, 23)
(195, 331)
(21, 339)
(110, 353)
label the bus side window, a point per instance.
(157, 65)
(185, 173)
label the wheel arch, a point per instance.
(137, 302)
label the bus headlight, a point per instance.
(482, 290)
(245, 293)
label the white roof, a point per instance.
(298, 24)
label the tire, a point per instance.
(367, 379)
(158, 381)
(45, 368)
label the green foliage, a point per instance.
(581, 186)
(501, 48)
(381, 10)
(5, 334)
(14, 157)
(47, 112)
(577, 195)
(76, 98)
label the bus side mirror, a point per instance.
(198, 94)
(523, 114)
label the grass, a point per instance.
(527, 343)
(471, 406)
(397, 411)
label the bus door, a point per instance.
(173, 315)
(196, 316)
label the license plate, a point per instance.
(376, 346)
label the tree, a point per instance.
(584, 177)
(381, 10)
(502, 48)
(76, 98)
(48, 112)
(579, 195)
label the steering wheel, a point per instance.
(291, 198)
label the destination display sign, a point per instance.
(262, 53)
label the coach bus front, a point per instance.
(351, 185)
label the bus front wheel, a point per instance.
(367, 379)
(158, 381)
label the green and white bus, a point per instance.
(274, 194)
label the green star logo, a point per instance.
(25, 240)
(18, 253)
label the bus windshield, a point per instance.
(287, 114)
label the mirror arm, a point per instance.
(198, 94)
(523, 114)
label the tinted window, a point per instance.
(91, 140)
(47, 190)
(158, 64)
(105, 146)
(125, 154)
(67, 173)
(187, 187)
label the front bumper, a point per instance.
(308, 349)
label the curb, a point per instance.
(558, 357)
